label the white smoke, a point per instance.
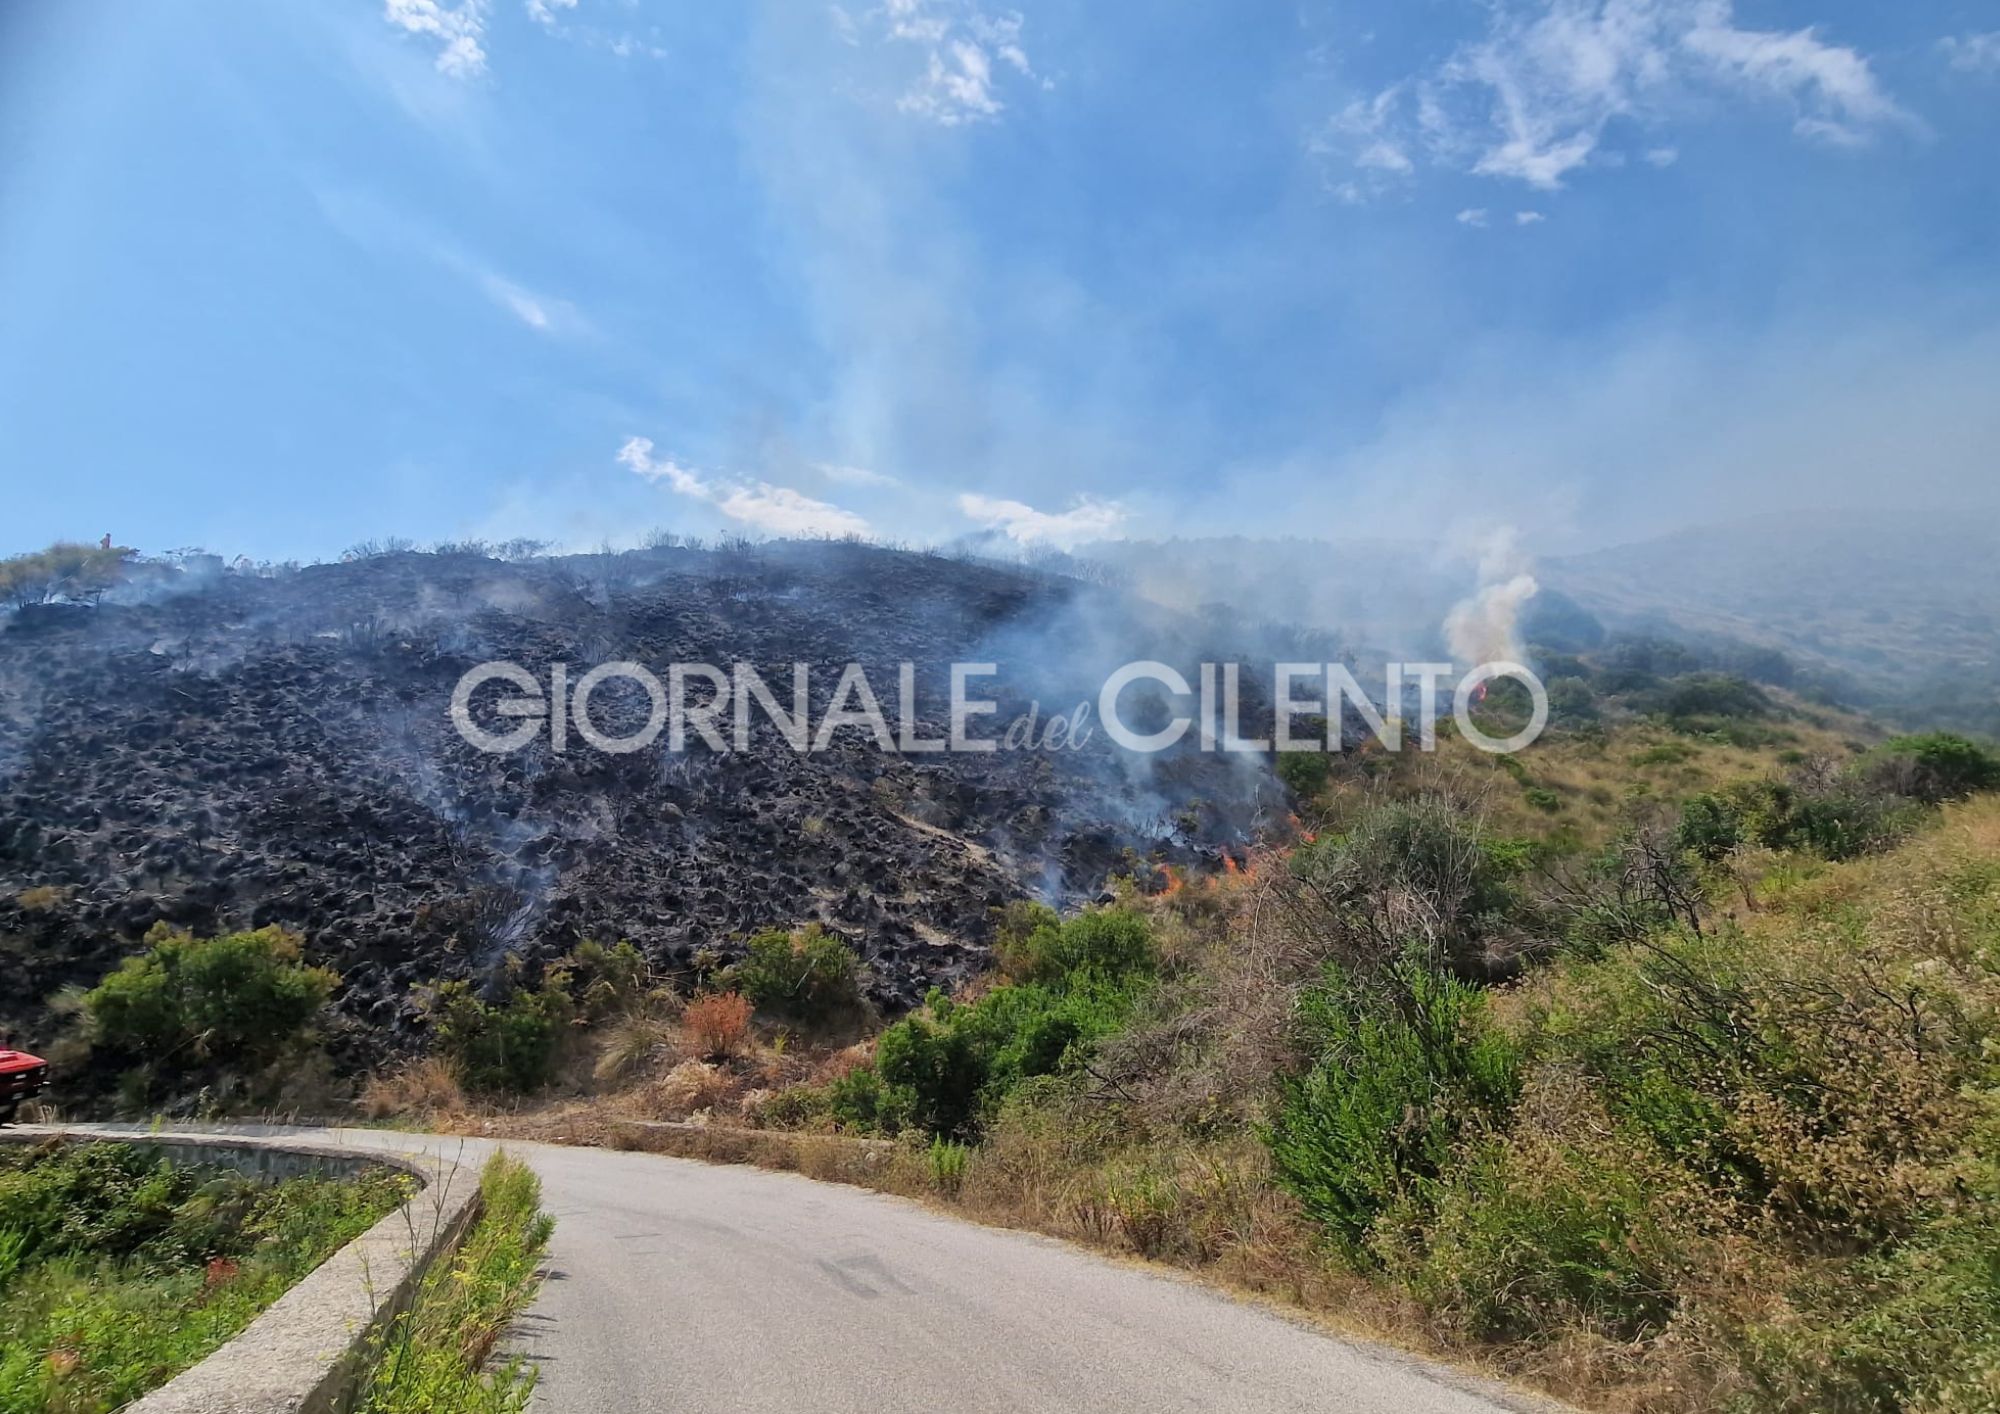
(1485, 627)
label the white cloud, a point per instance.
(1973, 53)
(1663, 157)
(1473, 216)
(1529, 218)
(779, 510)
(543, 12)
(1532, 100)
(458, 29)
(776, 510)
(1088, 519)
(966, 53)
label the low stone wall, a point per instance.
(307, 1351)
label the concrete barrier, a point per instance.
(308, 1351)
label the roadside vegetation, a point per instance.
(118, 1270)
(1700, 1117)
(1658, 1065)
(440, 1354)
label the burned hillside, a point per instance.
(237, 749)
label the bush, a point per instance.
(1936, 767)
(243, 999)
(1546, 1231)
(63, 571)
(947, 1166)
(1305, 773)
(1401, 1066)
(1701, 699)
(1833, 815)
(1542, 799)
(504, 1047)
(860, 1101)
(604, 982)
(1109, 945)
(1408, 871)
(716, 1023)
(949, 1067)
(809, 976)
(1710, 827)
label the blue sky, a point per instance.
(276, 278)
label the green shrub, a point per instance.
(1667, 753)
(1571, 701)
(936, 1064)
(1305, 773)
(1702, 699)
(1543, 799)
(1841, 817)
(1936, 767)
(1109, 945)
(809, 976)
(862, 1102)
(1357, 889)
(1710, 827)
(243, 999)
(1401, 1066)
(947, 1166)
(948, 1067)
(505, 1047)
(1550, 1231)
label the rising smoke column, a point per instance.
(1485, 627)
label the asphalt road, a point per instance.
(676, 1285)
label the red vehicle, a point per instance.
(21, 1078)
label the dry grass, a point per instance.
(426, 1088)
(1600, 779)
(715, 1026)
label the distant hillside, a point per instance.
(1897, 613)
(1904, 610)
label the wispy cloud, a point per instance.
(1088, 519)
(542, 313)
(459, 31)
(393, 236)
(543, 12)
(1529, 218)
(1474, 216)
(1973, 53)
(966, 54)
(554, 16)
(854, 475)
(1532, 99)
(776, 510)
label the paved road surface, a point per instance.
(676, 1285)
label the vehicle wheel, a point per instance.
(7, 1111)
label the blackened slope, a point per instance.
(278, 751)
